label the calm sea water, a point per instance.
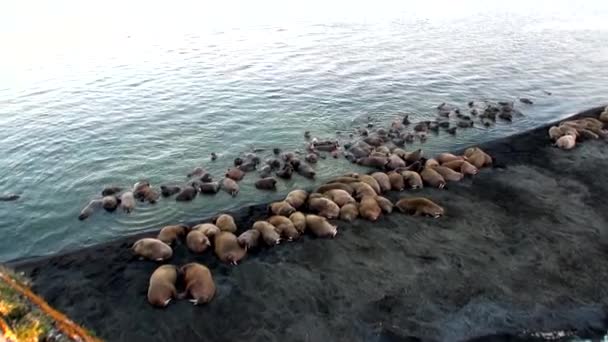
(92, 95)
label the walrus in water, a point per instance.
(209, 188)
(566, 142)
(139, 186)
(110, 203)
(281, 208)
(235, 174)
(127, 201)
(148, 194)
(227, 248)
(9, 197)
(267, 183)
(414, 156)
(186, 194)
(197, 172)
(352, 178)
(448, 174)
(432, 177)
(299, 221)
(383, 181)
(285, 172)
(90, 208)
(162, 286)
(320, 226)
(385, 204)
(340, 197)
(226, 223)
(169, 190)
(152, 249)
(431, 163)
(170, 234)
(397, 181)
(110, 190)
(284, 226)
(378, 162)
(209, 229)
(296, 198)
(269, 232)
(369, 208)
(197, 241)
(306, 170)
(331, 186)
(249, 239)
(412, 179)
(462, 166)
(199, 283)
(419, 206)
(349, 212)
(324, 207)
(230, 186)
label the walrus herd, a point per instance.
(567, 133)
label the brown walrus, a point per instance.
(199, 283)
(299, 221)
(371, 181)
(324, 207)
(331, 186)
(162, 286)
(306, 170)
(139, 187)
(249, 239)
(152, 249)
(209, 229)
(281, 208)
(127, 202)
(447, 157)
(462, 166)
(448, 174)
(414, 156)
(369, 208)
(197, 172)
(320, 226)
(383, 181)
(555, 132)
(226, 223)
(90, 208)
(209, 188)
(111, 190)
(419, 206)
(169, 190)
(432, 177)
(197, 241)
(269, 232)
(385, 204)
(284, 226)
(477, 157)
(340, 197)
(395, 162)
(566, 142)
(186, 194)
(363, 189)
(169, 234)
(235, 173)
(230, 186)
(228, 249)
(349, 212)
(267, 183)
(147, 193)
(412, 179)
(397, 181)
(296, 198)
(378, 161)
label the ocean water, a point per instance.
(93, 94)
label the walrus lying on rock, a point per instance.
(320, 226)
(228, 249)
(161, 288)
(197, 241)
(199, 283)
(269, 232)
(226, 223)
(249, 239)
(419, 206)
(170, 234)
(152, 249)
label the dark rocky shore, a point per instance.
(522, 247)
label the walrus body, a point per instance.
(110, 190)
(169, 190)
(170, 234)
(462, 166)
(267, 183)
(226, 223)
(285, 172)
(432, 177)
(199, 283)
(419, 206)
(228, 249)
(566, 142)
(448, 174)
(369, 208)
(284, 226)
(209, 188)
(349, 212)
(110, 203)
(235, 174)
(371, 181)
(161, 288)
(324, 207)
(414, 156)
(394, 162)
(378, 162)
(477, 157)
(296, 198)
(396, 180)
(340, 197)
(269, 232)
(90, 208)
(282, 208)
(209, 229)
(382, 180)
(385, 204)
(127, 201)
(230, 186)
(447, 157)
(152, 249)
(331, 186)
(186, 194)
(197, 241)
(320, 226)
(299, 221)
(249, 239)
(412, 179)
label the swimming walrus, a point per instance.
(188, 193)
(161, 288)
(281, 208)
(369, 208)
(230, 186)
(299, 221)
(396, 180)
(9, 197)
(349, 212)
(324, 207)
(378, 162)
(431, 163)
(90, 208)
(340, 197)
(383, 181)
(110, 190)
(139, 186)
(331, 186)
(269, 232)
(385, 204)
(285, 172)
(209, 229)
(169, 190)
(199, 283)
(227, 248)
(306, 170)
(284, 226)
(197, 241)
(296, 198)
(414, 156)
(226, 223)
(267, 183)
(148, 194)
(412, 179)
(320, 226)
(153, 249)
(432, 178)
(110, 203)
(197, 172)
(209, 188)
(363, 189)
(249, 239)
(127, 201)
(170, 234)
(419, 206)
(235, 174)
(448, 174)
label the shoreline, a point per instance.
(419, 277)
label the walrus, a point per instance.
(110, 203)
(265, 171)
(206, 178)
(346, 179)
(306, 170)
(296, 198)
(447, 157)
(374, 140)
(139, 187)
(226, 223)
(396, 180)
(169, 190)
(432, 177)
(186, 194)
(269, 232)
(331, 186)
(249, 239)
(419, 206)
(90, 208)
(170, 234)
(285, 172)
(197, 241)
(235, 174)
(267, 183)
(249, 165)
(311, 158)
(369, 208)
(371, 181)
(461, 166)
(213, 156)
(604, 115)
(147, 194)
(281, 208)
(110, 190)
(382, 180)
(320, 226)
(237, 161)
(394, 162)
(295, 163)
(274, 163)
(127, 201)
(209, 229)
(299, 221)
(287, 156)
(477, 157)
(566, 142)
(199, 283)
(412, 179)
(526, 101)
(448, 174)
(363, 189)
(284, 226)
(385, 204)
(383, 149)
(378, 162)
(197, 172)
(358, 152)
(153, 249)
(340, 197)
(349, 212)
(228, 249)
(9, 197)
(209, 188)
(161, 288)
(413, 156)
(431, 163)
(230, 186)
(324, 207)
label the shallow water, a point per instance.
(92, 97)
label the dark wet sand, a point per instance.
(523, 246)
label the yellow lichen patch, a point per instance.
(6, 332)
(29, 329)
